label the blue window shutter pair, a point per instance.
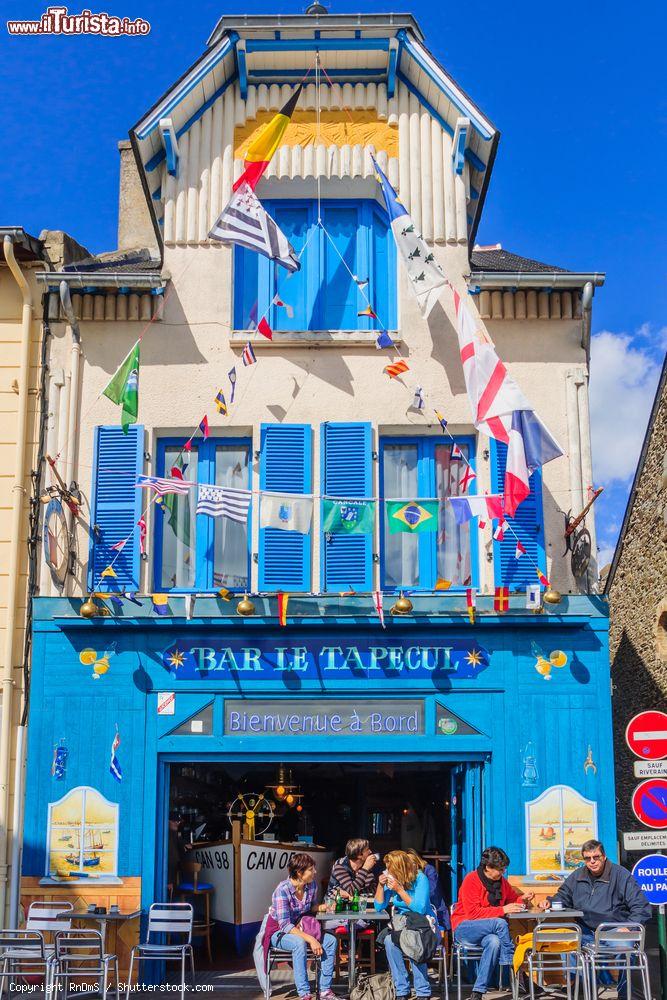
(286, 467)
(347, 560)
(116, 506)
(527, 524)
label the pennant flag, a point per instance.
(283, 601)
(141, 524)
(221, 501)
(131, 596)
(481, 524)
(163, 487)
(533, 597)
(286, 512)
(441, 420)
(383, 340)
(231, 375)
(413, 516)
(220, 403)
(499, 533)
(160, 604)
(248, 355)
(119, 546)
(117, 602)
(224, 594)
(123, 389)
(114, 764)
(442, 584)
(490, 506)
(277, 301)
(467, 478)
(265, 330)
(368, 312)
(455, 454)
(393, 371)
(188, 445)
(190, 600)
(352, 517)
(362, 282)
(424, 274)
(418, 401)
(530, 446)
(471, 603)
(176, 472)
(109, 571)
(501, 599)
(519, 550)
(203, 427)
(542, 578)
(260, 151)
(245, 222)
(377, 604)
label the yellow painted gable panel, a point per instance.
(337, 128)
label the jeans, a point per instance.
(399, 973)
(493, 936)
(299, 949)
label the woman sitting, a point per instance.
(404, 887)
(293, 900)
(435, 890)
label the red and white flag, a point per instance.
(519, 550)
(499, 533)
(377, 603)
(141, 524)
(471, 603)
(467, 478)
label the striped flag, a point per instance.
(418, 401)
(244, 222)
(393, 371)
(471, 603)
(231, 375)
(377, 604)
(260, 151)
(162, 486)
(221, 501)
(248, 355)
(119, 546)
(220, 403)
(542, 578)
(114, 764)
(283, 601)
(499, 533)
(441, 420)
(141, 524)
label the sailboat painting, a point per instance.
(82, 838)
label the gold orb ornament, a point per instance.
(403, 605)
(89, 609)
(245, 607)
(552, 596)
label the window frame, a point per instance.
(204, 554)
(426, 445)
(366, 208)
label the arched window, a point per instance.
(82, 837)
(558, 822)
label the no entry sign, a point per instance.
(649, 803)
(651, 874)
(646, 735)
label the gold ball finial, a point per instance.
(245, 608)
(403, 605)
(552, 596)
(89, 609)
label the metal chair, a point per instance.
(618, 947)
(43, 916)
(441, 961)
(558, 949)
(278, 954)
(23, 953)
(79, 954)
(174, 920)
(192, 886)
(462, 952)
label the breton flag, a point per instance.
(243, 221)
(260, 151)
(162, 486)
(221, 501)
(426, 277)
(114, 764)
(500, 408)
(249, 355)
(464, 508)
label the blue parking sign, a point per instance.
(651, 874)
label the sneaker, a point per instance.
(476, 996)
(328, 995)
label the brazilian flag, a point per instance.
(414, 516)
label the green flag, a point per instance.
(412, 516)
(123, 388)
(177, 510)
(354, 517)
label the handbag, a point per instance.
(311, 926)
(378, 987)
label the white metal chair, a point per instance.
(558, 949)
(43, 917)
(166, 920)
(23, 953)
(79, 954)
(619, 947)
(462, 952)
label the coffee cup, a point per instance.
(556, 905)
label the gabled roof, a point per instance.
(497, 259)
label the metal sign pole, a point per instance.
(662, 948)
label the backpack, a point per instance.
(414, 934)
(378, 987)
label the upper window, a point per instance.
(195, 551)
(348, 261)
(421, 469)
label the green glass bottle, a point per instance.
(355, 902)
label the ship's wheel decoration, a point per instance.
(254, 810)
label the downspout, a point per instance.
(586, 314)
(73, 407)
(18, 489)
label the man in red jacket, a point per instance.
(485, 898)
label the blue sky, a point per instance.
(576, 90)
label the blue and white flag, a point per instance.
(114, 763)
(286, 511)
(425, 275)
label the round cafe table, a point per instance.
(352, 918)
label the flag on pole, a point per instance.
(123, 389)
(260, 151)
(542, 578)
(248, 355)
(499, 533)
(455, 454)
(418, 401)
(519, 550)
(490, 506)
(467, 478)
(264, 328)
(277, 301)
(246, 223)
(383, 340)
(220, 403)
(377, 604)
(471, 603)
(283, 601)
(424, 274)
(501, 599)
(114, 764)
(203, 426)
(231, 375)
(396, 369)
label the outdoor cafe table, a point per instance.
(352, 918)
(114, 919)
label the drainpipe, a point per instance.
(73, 406)
(16, 536)
(586, 313)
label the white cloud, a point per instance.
(622, 386)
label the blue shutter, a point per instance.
(286, 467)
(116, 504)
(346, 472)
(528, 525)
(339, 295)
(383, 270)
(297, 290)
